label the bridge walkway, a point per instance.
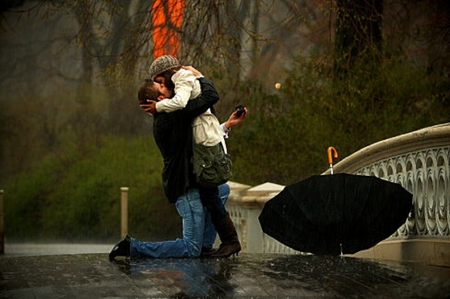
(92, 275)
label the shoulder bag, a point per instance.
(212, 166)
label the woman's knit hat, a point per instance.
(162, 64)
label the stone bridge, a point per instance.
(419, 161)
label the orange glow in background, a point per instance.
(167, 18)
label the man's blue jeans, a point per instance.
(198, 230)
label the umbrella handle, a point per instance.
(331, 150)
(330, 154)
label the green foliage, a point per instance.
(287, 133)
(76, 195)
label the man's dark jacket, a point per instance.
(173, 135)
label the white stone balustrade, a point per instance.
(419, 161)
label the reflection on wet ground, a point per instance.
(183, 277)
(291, 276)
(246, 276)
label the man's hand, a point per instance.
(150, 107)
(234, 119)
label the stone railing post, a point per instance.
(245, 205)
(2, 225)
(124, 211)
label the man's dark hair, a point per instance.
(148, 92)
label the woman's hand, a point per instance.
(234, 119)
(150, 107)
(193, 70)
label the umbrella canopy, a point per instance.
(336, 214)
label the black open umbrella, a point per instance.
(336, 214)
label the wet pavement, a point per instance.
(33, 249)
(92, 275)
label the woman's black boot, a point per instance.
(230, 244)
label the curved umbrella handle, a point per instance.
(330, 151)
